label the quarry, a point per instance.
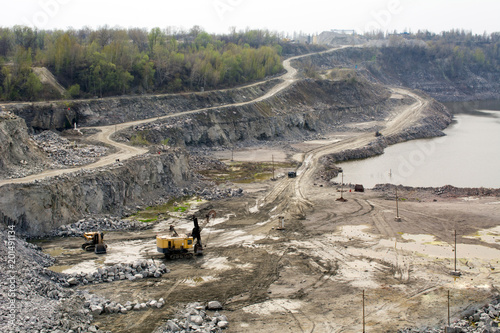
(281, 252)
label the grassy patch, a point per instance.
(152, 214)
(139, 139)
(246, 172)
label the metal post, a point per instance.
(448, 308)
(363, 311)
(342, 187)
(398, 218)
(397, 204)
(455, 250)
(272, 156)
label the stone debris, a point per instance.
(140, 269)
(100, 306)
(195, 318)
(40, 303)
(77, 229)
(64, 153)
(483, 320)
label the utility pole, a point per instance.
(448, 307)
(363, 311)
(398, 218)
(455, 272)
(272, 156)
(455, 250)
(342, 189)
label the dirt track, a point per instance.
(310, 276)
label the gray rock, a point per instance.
(214, 305)
(172, 327)
(72, 281)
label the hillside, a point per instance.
(416, 66)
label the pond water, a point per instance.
(468, 156)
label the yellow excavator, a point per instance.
(177, 246)
(94, 241)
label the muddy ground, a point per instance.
(310, 277)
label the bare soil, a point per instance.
(310, 276)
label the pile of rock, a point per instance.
(138, 270)
(97, 224)
(98, 305)
(33, 299)
(195, 318)
(217, 193)
(483, 320)
(64, 153)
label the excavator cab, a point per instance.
(94, 241)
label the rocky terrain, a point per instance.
(309, 108)
(63, 115)
(19, 154)
(64, 153)
(484, 319)
(410, 71)
(198, 318)
(28, 285)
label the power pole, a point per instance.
(455, 250)
(342, 189)
(272, 156)
(398, 218)
(363, 311)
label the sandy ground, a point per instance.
(310, 276)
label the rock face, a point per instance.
(18, 152)
(39, 207)
(114, 110)
(414, 71)
(305, 110)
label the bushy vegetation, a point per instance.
(107, 61)
(455, 52)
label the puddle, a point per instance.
(57, 251)
(275, 305)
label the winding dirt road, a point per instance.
(125, 151)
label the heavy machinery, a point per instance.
(176, 246)
(94, 241)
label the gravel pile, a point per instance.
(64, 153)
(196, 318)
(32, 298)
(138, 270)
(97, 224)
(483, 320)
(98, 305)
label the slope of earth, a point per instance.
(411, 67)
(113, 110)
(18, 152)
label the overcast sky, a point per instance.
(217, 16)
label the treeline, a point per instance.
(456, 52)
(114, 61)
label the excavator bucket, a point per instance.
(100, 249)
